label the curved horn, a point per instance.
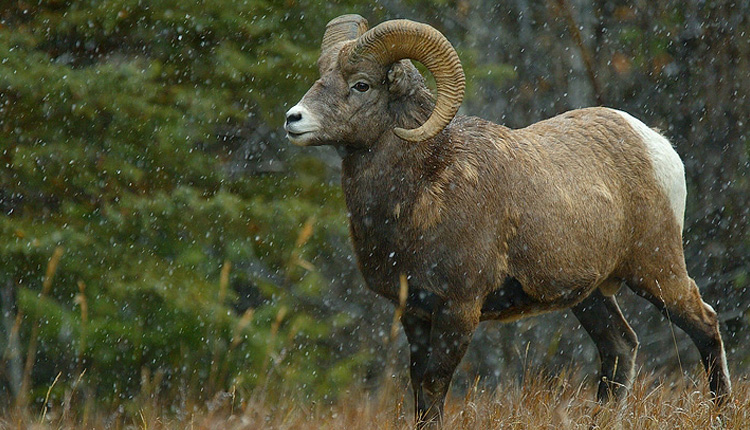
(345, 27)
(396, 40)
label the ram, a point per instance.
(484, 222)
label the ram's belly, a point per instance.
(567, 247)
(510, 302)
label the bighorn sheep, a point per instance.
(486, 222)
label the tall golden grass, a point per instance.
(544, 401)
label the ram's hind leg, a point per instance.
(616, 341)
(678, 298)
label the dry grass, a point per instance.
(544, 402)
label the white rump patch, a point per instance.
(668, 167)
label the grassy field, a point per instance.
(543, 402)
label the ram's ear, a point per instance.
(403, 78)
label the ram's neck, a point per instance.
(387, 172)
(381, 186)
(384, 184)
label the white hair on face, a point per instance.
(301, 125)
(668, 168)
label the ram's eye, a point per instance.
(361, 87)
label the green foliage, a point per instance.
(111, 114)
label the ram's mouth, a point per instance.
(300, 138)
(293, 135)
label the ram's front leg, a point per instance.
(418, 334)
(453, 325)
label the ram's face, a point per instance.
(365, 73)
(346, 106)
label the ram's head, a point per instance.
(365, 77)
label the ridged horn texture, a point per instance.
(396, 40)
(343, 28)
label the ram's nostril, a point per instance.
(293, 117)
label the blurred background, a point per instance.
(159, 237)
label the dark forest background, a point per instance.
(159, 235)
